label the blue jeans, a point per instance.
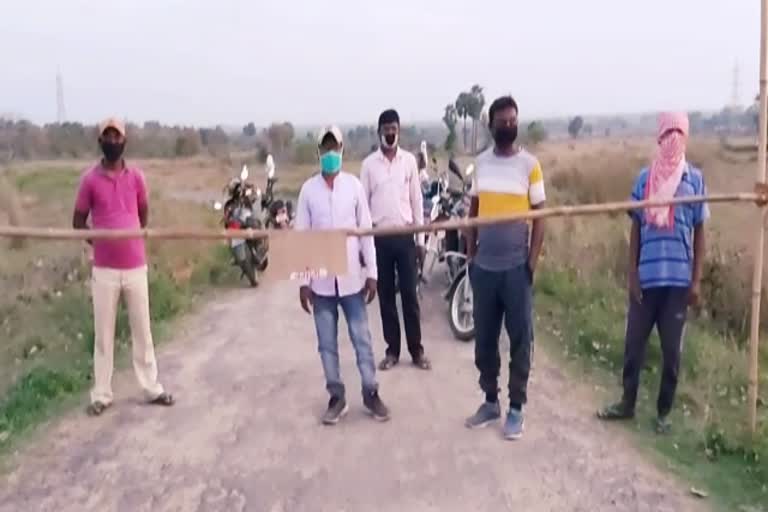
(326, 313)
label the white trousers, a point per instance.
(107, 285)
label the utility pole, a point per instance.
(61, 110)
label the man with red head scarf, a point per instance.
(666, 254)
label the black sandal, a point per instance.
(96, 408)
(164, 399)
(662, 425)
(423, 363)
(615, 412)
(387, 363)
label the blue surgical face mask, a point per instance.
(330, 162)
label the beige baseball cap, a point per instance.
(333, 130)
(112, 122)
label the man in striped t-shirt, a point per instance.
(666, 256)
(503, 259)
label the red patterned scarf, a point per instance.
(667, 168)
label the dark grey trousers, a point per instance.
(666, 309)
(503, 297)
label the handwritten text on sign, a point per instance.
(308, 274)
(302, 255)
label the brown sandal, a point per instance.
(96, 408)
(164, 399)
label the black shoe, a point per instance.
(337, 409)
(388, 362)
(375, 406)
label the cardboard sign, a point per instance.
(297, 255)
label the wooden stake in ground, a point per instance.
(9, 202)
(757, 276)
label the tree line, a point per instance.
(23, 140)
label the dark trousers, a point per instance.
(506, 297)
(666, 309)
(399, 253)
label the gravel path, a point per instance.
(245, 436)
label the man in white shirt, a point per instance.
(392, 185)
(334, 199)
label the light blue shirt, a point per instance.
(666, 255)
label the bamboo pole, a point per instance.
(9, 201)
(757, 276)
(221, 234)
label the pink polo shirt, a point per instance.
(113, 202)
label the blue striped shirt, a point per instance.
(666, 255)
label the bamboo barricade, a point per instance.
(759, 196)
(757, 275)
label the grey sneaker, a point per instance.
(487, 413)
(662, 425)
(375, 406)
(337, 409)
(513, 427)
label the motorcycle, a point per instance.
(245, 209)
(447, 246)
(279, 213)
(459, 296)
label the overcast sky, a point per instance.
(232, 61)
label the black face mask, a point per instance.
(390, 139)
(506, 136)
(112, 151)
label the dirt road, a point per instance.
(245, 436)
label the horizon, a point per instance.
(629, 116)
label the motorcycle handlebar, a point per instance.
(455, 170)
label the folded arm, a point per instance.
(82, 206)
(368, 248)
(302, 222)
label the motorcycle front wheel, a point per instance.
(260, 255)
(249, 271)
(460, 308)
(244, 258)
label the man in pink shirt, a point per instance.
(392, 185)
(115, 196)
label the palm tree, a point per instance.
(477, 103)
(450, 118)
(462, 110)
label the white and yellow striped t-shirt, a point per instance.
(504, 185)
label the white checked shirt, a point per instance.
(393, 190)
(342, 207)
